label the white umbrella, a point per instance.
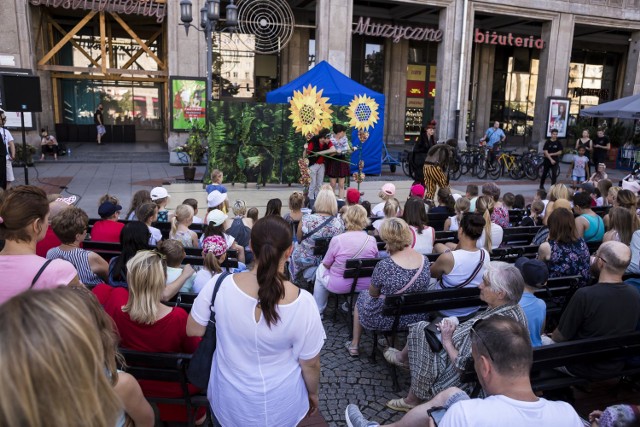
(623, 108)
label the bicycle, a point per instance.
(506, 162)
(532, 164)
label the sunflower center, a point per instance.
(307, 114)
(363, 112)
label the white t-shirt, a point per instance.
(496, 237)
(454, 225)
(198, 220)
(156, 236)
(6, 135)
(423, 243)
(464, 264)
(498, 411)
(256, 379)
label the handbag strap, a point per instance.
(222, 276)
(39, 273)
(312, 232)
(366, 240)
(472, 276)
(413, 279)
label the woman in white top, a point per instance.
(148, 214)
(266, 367)
(453, 222)
(423, 235)
(492, 234)
(464, 266)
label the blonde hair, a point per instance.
(56, 356)
(147, 277)
(396, 234)
(384, 196)
(212, 263)
(557, 192)
(108, 198)
(215, 175)
(296, 200)
(484, 206)
(461, 206)
(326, 202)
(183, 215)
(239, 208)
(355, 218)
(391, 208)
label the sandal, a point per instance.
(399, 405)
(353, 350)
(391, 355)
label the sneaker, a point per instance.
(354, 418)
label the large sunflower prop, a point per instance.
(310, 112)
(363, 112)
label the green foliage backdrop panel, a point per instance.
(255, 142)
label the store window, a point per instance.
(514, 89)
(592, 79)
(367, 63)
(421, 87)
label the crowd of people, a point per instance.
(266, 367)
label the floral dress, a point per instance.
(571, 259)
(500, 216)
(389, 277)
(302, 257)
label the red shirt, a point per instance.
(167, 335)
(106, 231)
(50, 241)
(314, 145)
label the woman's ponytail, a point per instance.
(484, 205)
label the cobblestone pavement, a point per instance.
(345, 379)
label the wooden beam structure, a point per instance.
(66, 38)
(103, 46)
(141, 51)
(142, 44)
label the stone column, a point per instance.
(448, 75)
(631, 84)
(553, 73)
(395, 89)
(484, 88)
(333, 33)
(295, 57)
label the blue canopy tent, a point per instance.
(340, 90)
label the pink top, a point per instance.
(18, 271)
(343, 247)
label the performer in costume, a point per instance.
(435, 167)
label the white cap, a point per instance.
(216, 216)
(159, 193)
(215, 198)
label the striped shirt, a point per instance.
(80, 259)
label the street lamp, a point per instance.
(209, 17)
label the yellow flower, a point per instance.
(363, 112)
(310, 112)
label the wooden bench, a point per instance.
(516, 216)
(515, 236)
(544, 376)
(170, 367)
(108, 250)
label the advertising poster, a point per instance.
(188, 103)
(558, 116)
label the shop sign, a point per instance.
(603, 94)
(415, 103)
(127, 7)
(416, 72)
(415, 89)
(507, 39)
(396, 32)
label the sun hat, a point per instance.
(389, 189)
(353, 196)
(215, 198)
(417, 190)
(214, 244)
(216, 216)
(107, 209)
(534, 272)
(158, 193)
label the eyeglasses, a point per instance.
(598, 256)
(473, 329)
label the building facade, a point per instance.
(463, 63)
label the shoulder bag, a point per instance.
(411, 282)
(199, 369)
(312, 232)
(39, 273)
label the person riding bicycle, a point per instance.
(493, 137)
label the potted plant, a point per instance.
(195, 148)
(19, 159)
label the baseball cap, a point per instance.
(215, 198)
(389, 189)
(107, 209)
(588, 187)
(417, 190)
(353, 196)
(158, 193)
(214, 244)
(216, 216)
(534, 272)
